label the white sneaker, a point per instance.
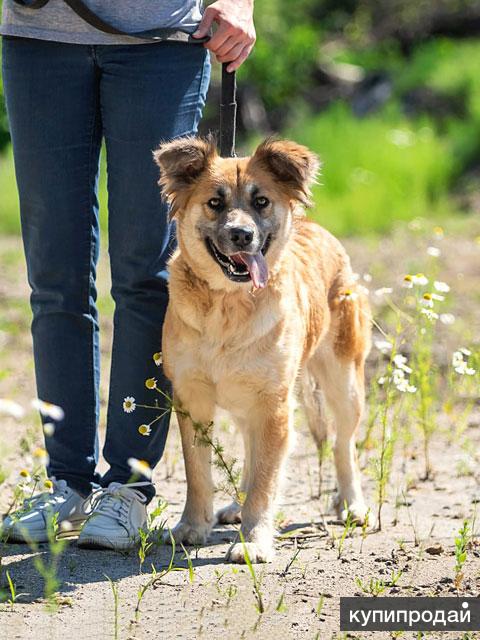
(117, 514)
(29, 523)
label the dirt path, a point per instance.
(300, 590)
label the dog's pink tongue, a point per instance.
(257, 267)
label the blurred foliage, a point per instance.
(401, 157)
(286, 50)
(377, 170)
(286, 54)
(391, 164)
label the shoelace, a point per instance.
(114, 501)
(46, 498)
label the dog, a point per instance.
(263, 303)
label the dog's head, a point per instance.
(234, 215)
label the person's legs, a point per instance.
(149, 93)
(51, 92)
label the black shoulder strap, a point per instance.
(228, 105)
(33, 4)
(154, 35)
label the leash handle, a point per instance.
(228, 113)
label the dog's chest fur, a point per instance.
(237, 342)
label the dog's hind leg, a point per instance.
(313, 403)
(231, 514)
(342, 383)
(195, 416)
(269, 432)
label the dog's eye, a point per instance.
(261, 202)
(215, 203)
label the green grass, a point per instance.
(9, 215)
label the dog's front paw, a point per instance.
(231, 514)
(256, 552)
(188, 533)
(357, 509)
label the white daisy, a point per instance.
(157, 358)
(405, 387)
(48, 410)
(11, 408)
(443, 287)
(431, 315)
(151, 383)
(383, 345)
(408, 281)
(41, 456)
(140, 467)
(129, 405)
(459, 363)
(383, 291)
(400, 362)
(66, 526)
(420, 279)
(447, 318)
(433, 251)
(427, 300)
(49, 429)
(24, 477)
(145, 429)
(464, 370)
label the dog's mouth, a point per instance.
(242, 266)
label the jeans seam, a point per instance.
(88, 288)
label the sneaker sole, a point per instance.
(93, 542)
(17, 538)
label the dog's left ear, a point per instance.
(181, 162)
(291, 164)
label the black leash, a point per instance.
(228, 104)
(228, 113)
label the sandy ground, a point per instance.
(301, 588)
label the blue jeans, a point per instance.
(62, 99)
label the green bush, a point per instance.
(286, 51)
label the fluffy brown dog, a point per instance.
(262, 304)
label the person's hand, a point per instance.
(235, 36)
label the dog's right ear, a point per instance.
(181, 163)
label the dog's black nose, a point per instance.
(241, 236)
